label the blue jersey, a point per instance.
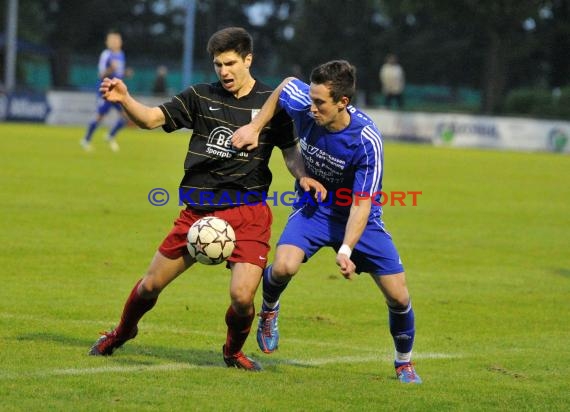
(108, 59)
(346, 162)
(113, 59)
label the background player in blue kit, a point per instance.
(112, 64)
(343, 149)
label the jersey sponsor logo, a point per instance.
(306, 147)
(254, 112)
(311, 150)
(220, 143)
(213, 109)
(322, 164)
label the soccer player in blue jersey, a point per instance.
(343, 149)
(112, 65)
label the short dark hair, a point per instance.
(231, 39)
(340, 75)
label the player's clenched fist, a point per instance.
(347, 266)
(113, 90)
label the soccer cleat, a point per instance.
(113, 145)
(407, 374)
(240, 361)
(86, 145)
(267, 330)
(106, 344)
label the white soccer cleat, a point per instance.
(113, 145)
(86, 145)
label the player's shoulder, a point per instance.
(361, 125)
(205, 90)
(296, 87)
(260, 92)
(361, 119)
(105, 54)
(214, 87)
(262, 87)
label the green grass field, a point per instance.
(486, 252)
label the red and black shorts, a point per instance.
(251, 223)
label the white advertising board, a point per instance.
(442, 129)
(458, 130)
(79, 108)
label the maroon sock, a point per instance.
(135, 308)
(238, 330)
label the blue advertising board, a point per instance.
(24, 107)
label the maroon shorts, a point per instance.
(251, 223)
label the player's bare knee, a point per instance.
(397, 298)
(242, 296)
(401, 302)
(242, 303)
(284, 270)
(149, 288)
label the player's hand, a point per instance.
(318, 190)
(246, 137)
(113, 90)
(347, 266)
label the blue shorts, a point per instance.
(375, 252)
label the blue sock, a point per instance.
(90, 129)
(403, 331)
(272, 289)
(118, 126)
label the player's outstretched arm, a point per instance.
(247, 137)
(116, 91)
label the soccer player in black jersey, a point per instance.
(218, 181)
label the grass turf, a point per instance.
(485, 250)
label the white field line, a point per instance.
(166, 367)
(174, 367)
(364, 359)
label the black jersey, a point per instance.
(216, 175)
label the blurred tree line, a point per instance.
(494, 46)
